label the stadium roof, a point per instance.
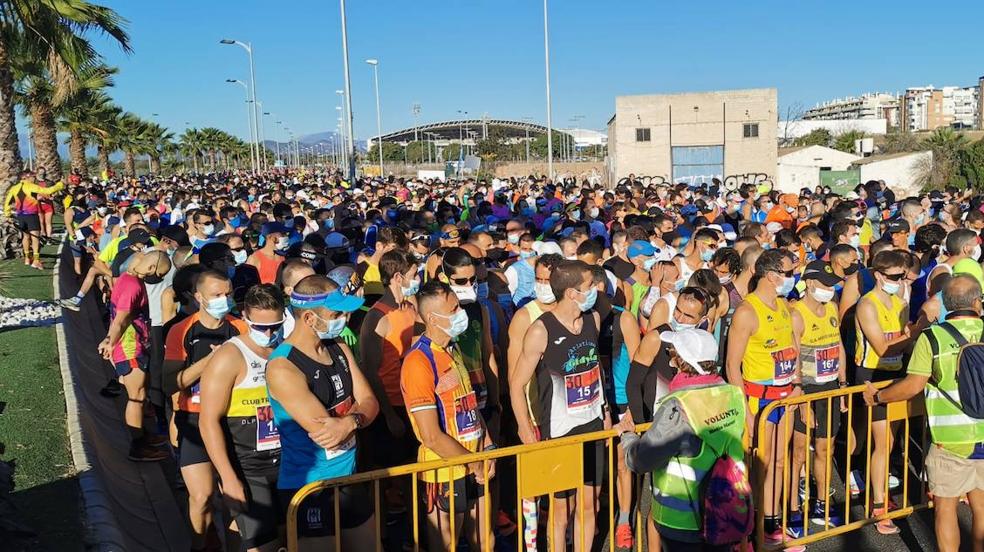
(449, 130)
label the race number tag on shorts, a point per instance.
(892, 362)
(267, 434)
(466, 422)
(196, 390)
(583, 390)
(828, 363)
(784, 361)
(341, 449)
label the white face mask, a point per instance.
(976, 253)
(466, 294)
(823, 295)
(544, 293)
(282, 243)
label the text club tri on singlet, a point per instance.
(569, 377)
(770, 356)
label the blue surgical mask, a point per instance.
(240, 256)
(208, 229)
(787, 286)
(218, 307)
(412, 288)
(459, 323)
(920, 219)
(590, 297)
(513, 238)
(264, 340)
(678, 326)
(891, 288)
(527, 254)
(648, 264)
(334, 328)
(679, 284)
(706, 255)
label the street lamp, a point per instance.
(261, 148)
(546, 63)
(348, 89)
(343, 148)
(379, 125)
(252, 84)
(461, 142)
(249, 121)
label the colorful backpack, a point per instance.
(728, 516)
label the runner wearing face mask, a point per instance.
(705, 244)
(642, 256)
(237, 423)
(763, 359)
(560, 350)
(268, 258)
(189, 347)
(883, 337)
(823, 365)
(320, 399)
(475, 343)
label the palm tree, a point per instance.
(83, 115)
(105, 120)
(156, 137)
(190, 144)
(131, 137)
(211, 140)
(44, 46)
(946, 146)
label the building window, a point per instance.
(751, 130)
(643, 135)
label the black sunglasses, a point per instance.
(786, 273)
(264, 328)
(894, 277)
(463, 281)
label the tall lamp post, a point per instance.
(379, 124)
(249, 121)
(348, 91)
(252, 84)
(546, 62)
(461, 142)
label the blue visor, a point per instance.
(333, 301)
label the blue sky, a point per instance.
(486, 56)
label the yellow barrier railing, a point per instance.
(895, 414)
(544, 468)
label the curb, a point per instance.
(99, 523)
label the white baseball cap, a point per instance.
(693, 346)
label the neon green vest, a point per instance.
(947, 423)
(717, 415)
(639, 292)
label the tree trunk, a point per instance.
(46, 139)
(76, 150)
(130, 164)
(102, 152)
(10, 159)
(155, 164)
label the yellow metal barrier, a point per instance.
(544, 468)
(541, 469)
(896, 413)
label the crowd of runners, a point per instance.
(271, 331)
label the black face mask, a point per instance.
(852, 269)
(153, 279)
(496, 254)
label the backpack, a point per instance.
(727, 513)
(969, 373)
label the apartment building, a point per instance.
(929, 108)
(875, 105)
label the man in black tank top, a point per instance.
(561, 350)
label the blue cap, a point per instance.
(274, 228)
(641, 248)
(336, 239)
(333, 301)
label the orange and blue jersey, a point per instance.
(22, 198)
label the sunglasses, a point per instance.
(463, 281)
(894, 277)
(786, 273)
(264, 328)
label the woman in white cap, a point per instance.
(699, 424)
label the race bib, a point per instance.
(466, 421)
(267, 434)
(341, 449)
(196, 390)
(828, 363)
(583, 390)
(784, 362)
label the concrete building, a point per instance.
(929, 108)
(585, 138)
(695, 137)
(875, 105)
(791, 130)
(903, 172)
(800, 167)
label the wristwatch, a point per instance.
(360, 420)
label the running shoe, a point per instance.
(37, 265)
(855, 483)
(775, 541)
(623, 536)
(794, 525)
(834, 519)
(72, 304)
(893, 482)
(885, 526)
